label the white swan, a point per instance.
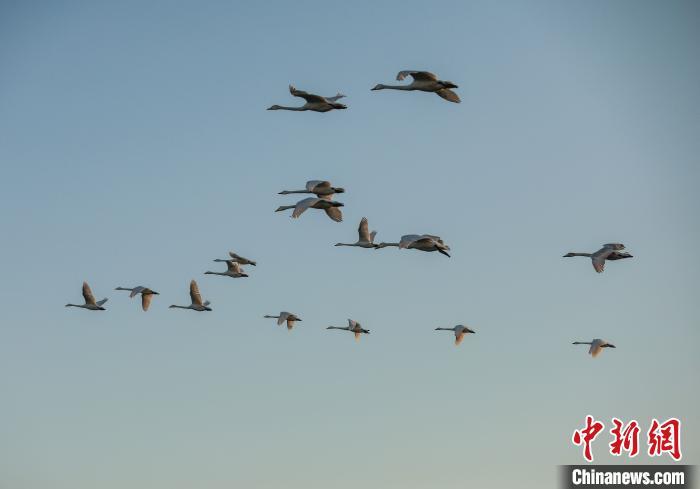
(90, 302)
(354, 327)
(459, 331)
(422, 242)
(238, 259)
(330, 206)
(366, 239)
(146, 294)
(424, 81)
(609, 251)
(285, 316)
(597, 346)
(322, 189)
(197, 304)
(315, 103)
(233, 269)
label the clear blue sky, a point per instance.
(135, 148)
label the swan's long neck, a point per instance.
(384, 245)
(272, 317)
(285, 192)
(580, 254)
(282, 107)
(395, 87)
(124, 288)
(284, 208)
(75, 305)
(346, 244)
(582, 343)
(214, 273)
(445, 329)
(180, 307)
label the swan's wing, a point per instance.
(434, 238)
(312, 184)
(87, 294)
(372, 235)
(352, 323)
(614, 246)
(449, 95)
(283, 317)
(335, 97)
(233, 266)
(459, 336)
(194, 293)
(363, 230)
(309, 97)
(408, 239)
(235, 256)
(335, 213)
(616, 255)
(598, 258)
(302, 205)
(425, 241)
(146, 301)
(417, 75)
(136, 290)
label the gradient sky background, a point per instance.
(135, 148)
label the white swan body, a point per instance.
(330, 206)
(422, 242)
(460, 330)
(90, 303)
(322, 188)
(597, 346)
(287, 317)
(197, 303)
(354, 327)
(315, 103)
(233, 269)
(424, 81)
(366, 239)
(238, 259)
(609, 251)
(146, 294)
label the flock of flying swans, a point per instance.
(324, 191)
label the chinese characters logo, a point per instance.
(661, 438)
